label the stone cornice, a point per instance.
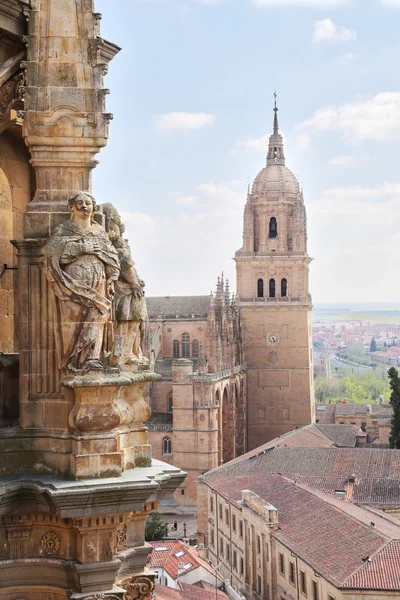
(12, 16)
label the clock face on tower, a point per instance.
(273, 338)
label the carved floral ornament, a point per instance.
(50, 544)
(139, 588)
(10, 91)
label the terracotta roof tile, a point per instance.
(325, 413)
(329, 539)
(380, 573)
(343, 436)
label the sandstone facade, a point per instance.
(274, 301)
(77, 475)
(199, 407)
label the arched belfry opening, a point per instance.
(273, 228)
(260, 288)
(284, 288)
(272, 290)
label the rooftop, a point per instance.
(333, 536)
(175, 307)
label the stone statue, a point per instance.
(82, 268)
(130, 312)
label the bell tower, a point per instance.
(272, 270)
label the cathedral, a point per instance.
(237, 371)
(273, 298)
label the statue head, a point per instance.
(113, 225)
(82, 207)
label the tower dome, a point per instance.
(276, 180)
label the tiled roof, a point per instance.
(164, 367)
(343, 436)
(325, 413)
(318, 462)
(166, 558)
(187, 591)
(367, 491)
(309, 436)
(194, 592)
(381, 572)
(178, 306)
(352, 410)
(160, 419)
(331, 539)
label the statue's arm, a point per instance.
(72, 251)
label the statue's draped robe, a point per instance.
(130, 309)
(83, 325)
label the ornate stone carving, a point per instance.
(50, 544)
(82, 267)
(273, 357)
(121, 537)
(129, 304)
(10, 91)
(139, 588)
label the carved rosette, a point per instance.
(139, 588)
(50, 544)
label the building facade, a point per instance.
(66, 413)
(273, 297)
(199, 407)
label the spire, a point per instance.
(276, 155)
(276, 126)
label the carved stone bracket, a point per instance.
(140, 587)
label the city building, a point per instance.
(299, 517)
(272, 270)
(199, 408)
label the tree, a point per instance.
(155, 528)
(394, 381)
(372, 347)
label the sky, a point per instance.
(192, 98)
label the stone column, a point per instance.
(65, 121)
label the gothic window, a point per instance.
(284, 288)
(195, 348)
(273, 228)
(170, 402)
(185, 345)
(272, 288)
(176, 349)
(167, 446)
(260, 288)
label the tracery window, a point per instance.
(260, 288)
(185, 345)
(195, 348)
(273, 228)
(176, 349)
(284, 288)
(272, 288)
(167, 446)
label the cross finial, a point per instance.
(276, 129)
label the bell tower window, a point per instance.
(272, 288)
(273, 228)
(284, 288)
(260, 288)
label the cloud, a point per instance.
(354, 235)
(303, 142)
(252, 143)
(327, 31)
(181, 253)
(184, 121)
(349, 57)
(391, 3)
(310, 3)
(348, 160)
(376, 118)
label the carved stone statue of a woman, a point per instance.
(82, 268)
(130, 310)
